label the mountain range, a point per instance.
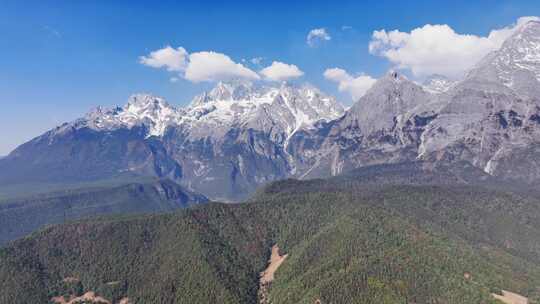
(417, 193)
(241, 135)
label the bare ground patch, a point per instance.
(511, 298)
(267, 276)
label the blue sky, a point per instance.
(60, 58)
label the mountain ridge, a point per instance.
(24, 214)
(241, 135)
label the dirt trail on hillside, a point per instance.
(511, 298)
(267, 276)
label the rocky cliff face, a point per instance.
(491, 115)
(384, 126)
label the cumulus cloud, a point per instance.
(355, 86)
(317, 35)
(198, 66)
(212, 66)
(279, 71)
(167, 57)
(438, 49)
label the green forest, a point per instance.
(347, 242)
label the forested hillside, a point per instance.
(363, 244)
(22, 214)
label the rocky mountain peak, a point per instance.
(522, 49)
(242, 99)
(146, 104)
(393, 76)
(437, 84)
(529, 30)
(516, 64)
(391, 96)
(233, 90)
(391, 80)
(140, 110)
(392, 88)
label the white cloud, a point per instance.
(167, 57)
(173, 79)
(280, 71)
(316, 35)
(438, 49)
(355, 86)
(212, 66)
(346, 27)
(198, 66)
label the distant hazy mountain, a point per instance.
(241, 135)
(24, 214)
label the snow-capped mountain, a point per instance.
(287, 107)
(240, 135)
(229, 104)
(437, 84)
(224, 143)
(141, 110)
(516, 64)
